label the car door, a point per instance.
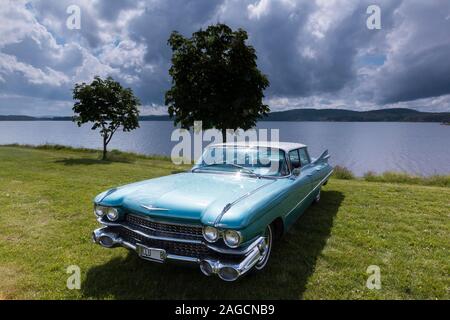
(301, 186)
(313, 171)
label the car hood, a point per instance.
(186, 197)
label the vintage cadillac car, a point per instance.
(223, 214)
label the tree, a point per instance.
(215, 79)
(108, 105)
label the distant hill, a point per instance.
(395, 115)
(399, 115)
(29, 118)
(16, 118)
(155, 118)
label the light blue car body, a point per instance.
(239, 202)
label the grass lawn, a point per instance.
(46, 221)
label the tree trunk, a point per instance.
(104, 147)
(224, 135)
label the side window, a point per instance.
(304, 158)
(284, 168)
(294, 159)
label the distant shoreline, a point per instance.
(297, 115)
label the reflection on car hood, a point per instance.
(187, 197)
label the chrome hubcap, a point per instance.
(265, 249)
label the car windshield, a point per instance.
(260, 161)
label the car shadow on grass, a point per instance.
(292, 262)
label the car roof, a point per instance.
(286, 146)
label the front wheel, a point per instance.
(265, 248)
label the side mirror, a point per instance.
(296, 172)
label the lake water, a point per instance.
(417, 148)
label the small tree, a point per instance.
(108, 105)
(215, 79)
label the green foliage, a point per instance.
(107, 105)
(215, 79)
(113, 154)
(343, 173)
(398, 177)
(393, 177)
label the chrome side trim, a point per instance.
(314, 189)
(229, 205)
(151, 208)
(108, 192)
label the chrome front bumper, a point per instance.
(227, 271)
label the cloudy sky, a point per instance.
(317, 54)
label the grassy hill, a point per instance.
(46, 221)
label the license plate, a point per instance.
(154, 254)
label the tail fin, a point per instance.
(323, 157)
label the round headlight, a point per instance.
(232, 238)
(99, 211)
(210, 234)
(113, 214)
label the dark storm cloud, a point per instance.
(419, 64)
(309, 48)
(110, 10)
(315, 53)
(154, 28)
(421, 74)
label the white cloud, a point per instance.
(9, 65)
(92, 67)
(127, 54)
(153, 109)
(328, 14)
(258, 9)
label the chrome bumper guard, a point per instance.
(226, 271)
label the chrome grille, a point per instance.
(196, 250)
(175, 229)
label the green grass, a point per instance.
(343, 173)
(396, 177)
(46, 221)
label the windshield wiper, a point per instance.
(249, 171)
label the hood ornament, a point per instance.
(152, 208)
